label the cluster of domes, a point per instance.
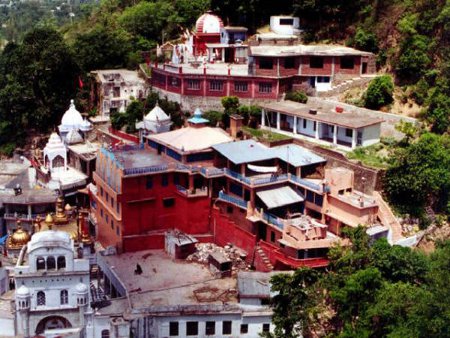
(72, 120)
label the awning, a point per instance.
(279, 197)
(261, 169)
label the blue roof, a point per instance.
(249, 151)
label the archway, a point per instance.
(52, 323)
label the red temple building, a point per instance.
(272, 202)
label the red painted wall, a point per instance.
(355, 71)
(325, 71)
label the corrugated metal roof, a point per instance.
(279, 197)
(249, 151)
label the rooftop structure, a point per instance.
(156, 121)
(115, 88)
(336, 126)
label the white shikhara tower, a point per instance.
(52, 286)
(72, 124)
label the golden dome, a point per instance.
(68, 207)
(20, 237)
(49, 219)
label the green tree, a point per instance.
(297, 96)
(292, 303)
(213, 116)
(379, 93)
(230, 104)
(102, 48)
(419, 175)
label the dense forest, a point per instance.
(49, 55)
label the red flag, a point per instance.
(80, 82)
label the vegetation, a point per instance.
(370, 156)
(297, 96)
(379, 93)
(265, 135)
(369, 290)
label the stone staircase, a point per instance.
(387, 218)
(261, 258)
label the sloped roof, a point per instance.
(279, 197)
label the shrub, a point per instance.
(297, 96)
(379, 93)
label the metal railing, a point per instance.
(273, 220)
(23, 216)
(233, 200)
(145, 170)
(305, 183)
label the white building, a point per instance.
(116, 88)
(155, 122)
(285, 25)
(52, 287)
(178, 299)
(347, 129)
(72, 123)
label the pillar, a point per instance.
(30, 212)
(263, 118)
(295, 125)
(278, 120)
(191, 182)
(243, 169)
(316, 136)
(26, 324)
(335, 132)
(354, 134)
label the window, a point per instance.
(193, 84)
(174, 81)
(216, 85)
(286, 22)
(265, 63)
(173, 329)
(101, 213)
(229, 209)
(168, 202)
(112, 224)
(265, 87)
(64, 297)
(240, 86)
(272, 236)
(51, 263)
(112, 202)
(118, 207)
(107, 219)
(107, 197)
(347, 62)
(41, 298)
(61, 262)
(289, 63)
(210, 328)
(314, 125)
(191, 328)
(164, 180)
(101, 191)
(304, 123)
(40, 263)
(323, 79)
(315, 62)
(266, 327)
(226, 327)
(149, 182)
(117, 231)
(244, 328)
(105, 333)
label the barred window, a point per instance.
(265, 87)
(41, 298)
(216, 85)
(193, 84)
(240, 86)
(64, 297)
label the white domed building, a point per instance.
(52, 287)
(55, 154)
(155, 122)
(73, 121)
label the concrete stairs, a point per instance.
(387, 218)
(261, 257)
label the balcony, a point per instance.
(202, 192)
(233, 200)
(23, 217)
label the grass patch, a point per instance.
(373, 156)
(266, 135)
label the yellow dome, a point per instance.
(49, 219)
(20, 237)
